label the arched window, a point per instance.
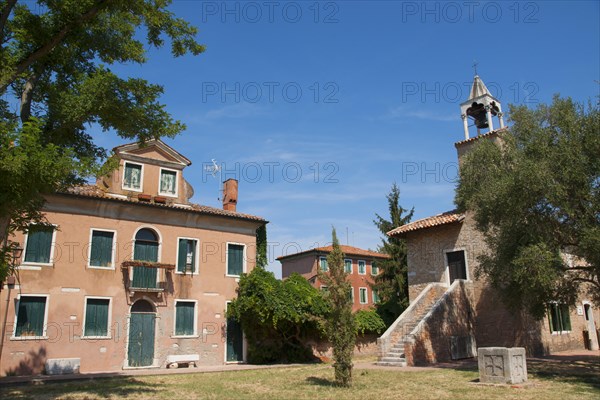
(142, 306)
(146, 245)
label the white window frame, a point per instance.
(36, 265)
(351, 266)
(195, 334)
(158, 258)
(108, 324)
(373, 293)
(176, 182)
(323, 258)
(113, 253)
(45, 325)
(571, 322)
(372, 273)
(196, 261)
(366, 296)
(447, 267)
(227, 259)
(358, 267)
(141, 189)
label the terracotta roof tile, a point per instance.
(474, 138)
(429, 222)
(347, 250)
(96, 192)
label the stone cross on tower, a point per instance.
(480, 107)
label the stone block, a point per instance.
(502, 365)
(61, 366)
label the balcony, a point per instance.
(146, 277)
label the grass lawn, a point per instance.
(548, 380)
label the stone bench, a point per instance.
(61, 366)
(174, 360)
(502, 365)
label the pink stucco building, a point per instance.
(128, 273)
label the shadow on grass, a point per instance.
(100, 388)
(313, 380)
(572, 369)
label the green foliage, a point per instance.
(339, 325)
(392, 282)
(261, 247)
(29, 167)
(55, 59)
(536, 197)
(368, 321)
(278, 316)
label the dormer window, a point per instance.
(168, 182)
(132, 176)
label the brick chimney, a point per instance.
(230, 194)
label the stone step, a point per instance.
(391, 359)
(392, 363)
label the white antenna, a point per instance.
(213, 169)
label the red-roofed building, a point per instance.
(453, 311)
(128, 273)
(360, 265)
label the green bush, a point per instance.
(368, 321)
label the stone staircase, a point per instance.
(391, 343)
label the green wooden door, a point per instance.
(141, 339)
(145, 277)
(235, 341)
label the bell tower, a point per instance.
(481, 107)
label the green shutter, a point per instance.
(565, 317)
(348, 266)
(39, 244)
(184, 318)
(96, 317)
(192, 243)
(235, 259)
(182, 255)
(102, 246)
(30, 316)
(145, 277)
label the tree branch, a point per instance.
(27, 96)
(4, 17)
(51, 44)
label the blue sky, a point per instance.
(318, 107)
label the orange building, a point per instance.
(360, 265)
(128, 273)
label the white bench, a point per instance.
(174, 360)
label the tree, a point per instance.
(55, 59)
(339, 325)
(261, 247)
(536, 199)
(278, 317)
(391, 283)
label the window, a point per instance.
(168, 182)
(31, 316)
(362, 267)
(235, 259)
(374, 268)
(558, 316)
(132, 176)
(101, 249)
(185, 318)
(96, 317)
(38, 247)
(351, 294)
(323, 264)
(362, 295)
(457, 266)
(187, 256)
(324, 288)
(348, 266)
(376, 298)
